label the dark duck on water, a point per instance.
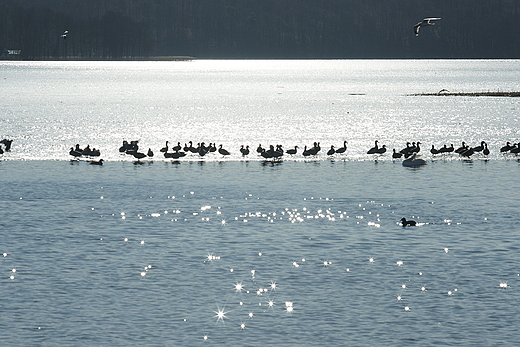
(409, 223)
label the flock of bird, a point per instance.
(78, 152)
(178, 151)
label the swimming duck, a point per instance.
(410, 223)
(98, 162)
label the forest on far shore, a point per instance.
(263, 29)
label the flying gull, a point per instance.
(425, 22)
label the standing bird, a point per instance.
(165, 148)
(374, 149)
(244, 151)
(331, 150)
(293, 150)
(150, 152)
(75, 153)
(486, 149)
(480, 148)
(397, 155)
(425, 22)
(382, 150)
(507, 147)
(342, 149)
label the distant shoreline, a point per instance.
(159, 58)
(446, 93)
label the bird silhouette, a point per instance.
(425, 22)
(222, 151)
(405, 222)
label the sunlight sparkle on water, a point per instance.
(220, 314)
(238, 287)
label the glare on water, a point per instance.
(229, 251)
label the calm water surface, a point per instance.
(243, 252)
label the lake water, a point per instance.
(245, 252)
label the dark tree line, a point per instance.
(116, 29)
(37, 32)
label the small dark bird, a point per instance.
(397, 155)
(382, 150)
(95, 152)
(507, 147)
(331, 150)
(75, 153)
(486, 149)
(177, 148)
(138, 155)
(374, 149)
(462, 148)
(244, 151)
(124, 147)
(165, 148)
(292, 151)
(446, 149)
(342, 149)
(7, 144)
(425, 22)
(409, 223)
(98, 162)
(150, 152)
(222, 151)
(480, 148)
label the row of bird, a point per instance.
(77, 151)
(273, 152)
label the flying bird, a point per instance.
(64, 35)
(425, 22)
